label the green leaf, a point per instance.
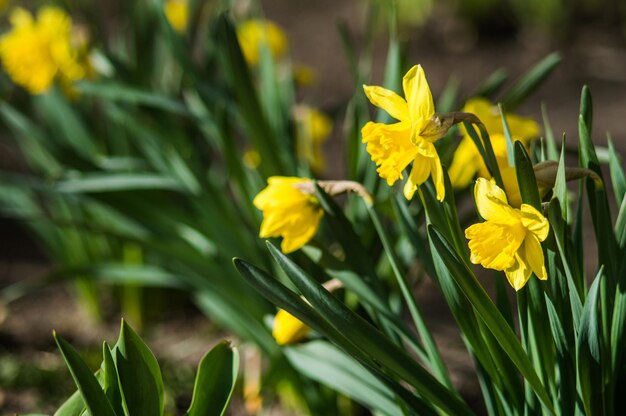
(530, 81)
(369, 339)
(560, 186)
(215, 381)
(547, 128)
(617, 172)
(73, 406)
(330, 366)
(492, 84)
(139, 374)
(526, 177)
(588, 346)
(285, 299)
(510, 152)
(110, 380)
(236, 71)
(115, 182)
(490, 315)
(95, 399)
(130, 95)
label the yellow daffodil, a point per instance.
(288, 212)
(35, 52)
(288, 329)
(467, 161)
(313, 129)
(509, 239)
(255, 34)
(177, 14)
(394, 146)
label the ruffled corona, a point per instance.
(509, 239)
(394, 146)
(288, 212)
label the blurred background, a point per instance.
(458, 42)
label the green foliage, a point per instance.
(129, 382)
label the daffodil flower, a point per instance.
(177, 14)
(394, 146)
(312, 129)
(288, 212)
(288, 329)
(509, 239)
(255, 34)
(467, 162)
(35, 52)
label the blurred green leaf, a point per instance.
(215, 381)
(330, 366)
(108, 182)
(130, 95)
(530, 81)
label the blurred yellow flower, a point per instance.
(312, 129)
(394, 146)
(467, 161)
(34, 52)
(288, 212)
(509, 239)
(288, 329)
(177, 14)
(255, 34)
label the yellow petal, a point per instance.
(437, 173)
(535, 222)
(417, 94)
(389, 101)
(419, 175)
(493, 245)
(301, 230)
(288, 329)
(518, 273)
(532, 254)
(390, 148)
(492, 203)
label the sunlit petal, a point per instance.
(418, 95)
(535, 222)
(389, 101)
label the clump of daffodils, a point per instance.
(38, 51)
(510, 239)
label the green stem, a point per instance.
(435, 360)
